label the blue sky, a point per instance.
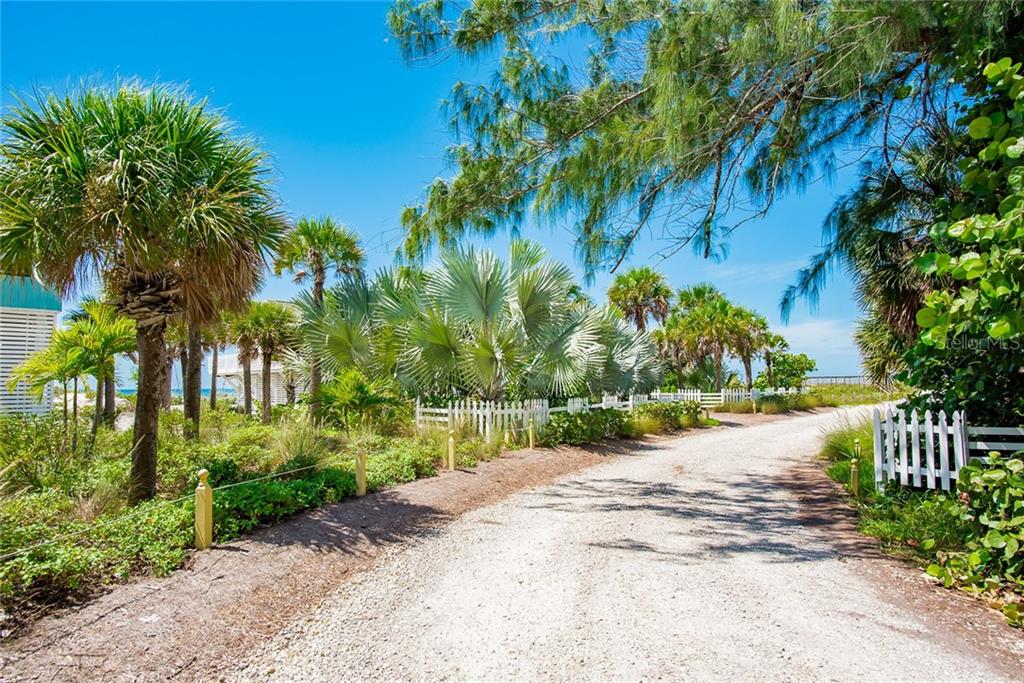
(356, 133)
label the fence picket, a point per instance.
(902, 437)
(943, 450)
(890, 447)
(876, 428)
(915, 447)
(929, 443)
(959, 452)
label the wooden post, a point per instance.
(855, 469)
(361, 472)
(451, 449)
(204, 512)
(531, 432)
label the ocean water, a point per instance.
(221, 391)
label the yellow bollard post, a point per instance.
(451, 450)
(508, 438)
(204, 512)
(755, 407)
(855, 469)
(361, 473)
(531, 433)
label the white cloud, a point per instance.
(725, 274)
(822, 339)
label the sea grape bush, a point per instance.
(991, 501)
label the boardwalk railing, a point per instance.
(927, 450)
(489, 418)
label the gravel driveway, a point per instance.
(687, 560)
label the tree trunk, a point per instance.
(65, 407)
(109, 400)
(213, 378)
(153, 369)
(98, 412)
(289, 390)
(247, 384)
(165, 389)
(718, 370)
(183, 359)
(314, 361)
(266, 389)
(747, 369)
(194, 384)
(74, 420)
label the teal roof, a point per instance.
(24, 292)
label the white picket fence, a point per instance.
(927, 451)
(490, 418)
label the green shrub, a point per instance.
(582, 428)
(670, 416)
(971, 541)
(36, 453)
(151, 537)
(991, 504)
(736, 407)
(244, 507)
(638, 424)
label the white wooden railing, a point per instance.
(927, 450)
(489, 418)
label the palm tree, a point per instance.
(102, 334)
(176, 347)
(274, 330)
(310, 249)
(60, 361)
(475, 326)
(772, 344)
(215, 338)
(149, 188)
(242, 333)
(641, 293)
(748, 339)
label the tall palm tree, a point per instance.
(151, 189)
(176, 347)
(698, 331)
(713, 323)
(242, 333)
(749, 330)
(311, 248)
(215, 338)
(275, 331)
(641, 293)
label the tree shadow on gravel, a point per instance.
(733, 518)
(381, 518)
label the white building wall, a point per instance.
(23, 331)
(230, 370)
